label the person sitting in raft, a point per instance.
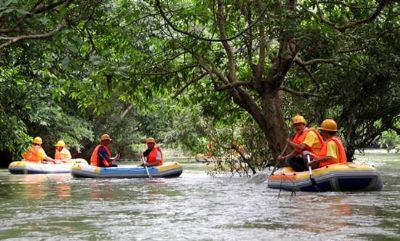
(36, 153)
(333, 150)
(307, 141)
(62, 154)
(152, 156)
(101, 155)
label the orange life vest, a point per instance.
(94, 159)
(341, 152)
(152, 157)
(300, 137)
(32, 155)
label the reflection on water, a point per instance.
(193, 207)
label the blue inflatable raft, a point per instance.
(171, 169)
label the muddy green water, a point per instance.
(195, 206)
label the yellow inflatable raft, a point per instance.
(26, 167)
(336, 177)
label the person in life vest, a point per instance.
(62, 154)
(152, 156)
(36, 153)
(307, 141)
(333, 150)
(101, 155)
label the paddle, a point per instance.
(261, 177)
(313, 182)
(145, 167)
(277, 163)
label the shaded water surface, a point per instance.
(195, 206)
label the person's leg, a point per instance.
(297, 163)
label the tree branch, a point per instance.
(262, 46)
(163, 15)
(354, 23)
(299, 93)
(300, 62)
(233, 85)
(189, 83)
(37, 8)
(351, 50)
(13, 40)
(125, 112)
(317, 61)
(220, 18)
(371, 18)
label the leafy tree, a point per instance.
(259, 52)
(389, 140)
(114, 65)
(33, 101)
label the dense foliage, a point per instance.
(194, 72)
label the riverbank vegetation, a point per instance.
(191, 73)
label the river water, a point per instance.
(195, 206)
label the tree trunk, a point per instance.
(269, 118)
(275, 128)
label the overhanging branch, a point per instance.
(233, 85)
(299, 93)
(13, 40)
(188, 84)
(300, 62)
(371, 18)
(317, 61)
(163, 15)
(354, 23)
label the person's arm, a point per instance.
(145, 155)
(291, 154)
(309, 141)
(106, 159)
(298, 148)
(330, 155)
(315, 163)
(65, 155)
(46, 158)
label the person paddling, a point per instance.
(36, 153)
(101, 155)
(333, 150)
(153, 155)
(307, 141)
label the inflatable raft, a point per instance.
(171, 169)
(26, 167)
(336, 177)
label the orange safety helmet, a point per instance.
(105, 137)
(299, 119)
(150, 140)
(328, 125)
(37, 140)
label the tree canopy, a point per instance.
(179, 70)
